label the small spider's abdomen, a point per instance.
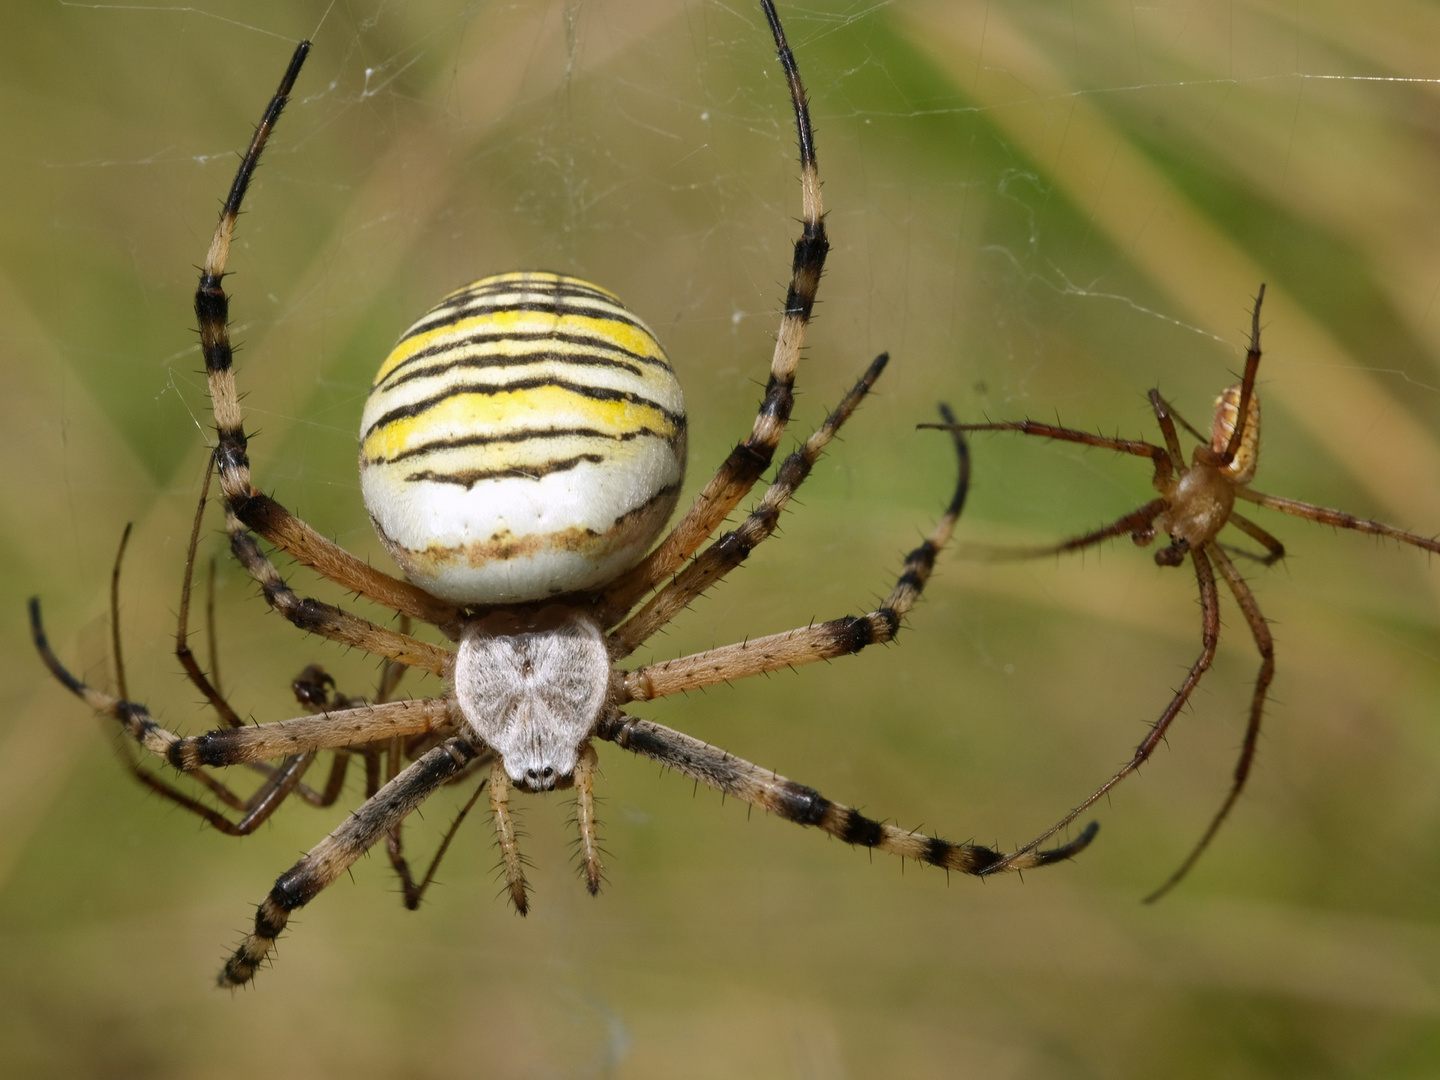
(1227, 413)
(525, 438)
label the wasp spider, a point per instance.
(1196, 502)
(521, 449)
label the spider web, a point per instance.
(1038, 210)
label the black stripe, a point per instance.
(594, 393)
(800, 804)
(859, 829)
(468, 478)
(537, 283)
(439, 446)
(464, 306)
(504, 360)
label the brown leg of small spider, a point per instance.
(1164, 416)
(1337, 518)
(1157, 454)
(326, 619)
(590, 865)
(828, 640)
(335, 854)
(1266, 647)
(411, 890)
(260, 512)
(1210, 635)
(510, 858)
(1138, 525)
(750, 458)
(1275, 550)
(1247, 385)
(735, 546)
(806, 806)
(183, 653)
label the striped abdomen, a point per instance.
(525, 438)
(1227, 415)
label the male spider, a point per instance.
(1195, 503)
(521, 448)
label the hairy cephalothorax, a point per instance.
(521, 449)
(1196, 501)
(532, 689)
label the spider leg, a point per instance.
(325, 619)
(749, 459)
(1337, 518)
(1164, 417)
(806, 806)
(280, 780)
(1210, 635)
(838, 637)
(1275, 549)
(510, 858)
(1265, 644)
(1138, 524)
(335, 854)
(1247, 385)
(231, 746)
(412, 891)
(183, 653)
(1157, 454)
(735, 546)
(591, 866)
(258, 511)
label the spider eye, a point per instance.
(525, 438)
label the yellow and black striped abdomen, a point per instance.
(525, 438)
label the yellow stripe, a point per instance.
(541, 407)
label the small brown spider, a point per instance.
(1196, 502)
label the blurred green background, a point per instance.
(1039, 209)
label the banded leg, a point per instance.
(749, 459)
(232, 746)
(1265, 644)
(734, 547)
(1337, 518)
(806, 806)
(335, 854)
(1210, 634)
(839, 637)
(325, 619)
(258, 511)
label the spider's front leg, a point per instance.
(749, 459)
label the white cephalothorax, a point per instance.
(532, 690)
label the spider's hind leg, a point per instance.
(806, 806)
(335, 854)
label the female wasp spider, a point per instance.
(1195, 503)
(520, 450)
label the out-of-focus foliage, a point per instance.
(1038, 209)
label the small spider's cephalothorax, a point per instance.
(531, 687)
(521, 449)
(1196, 502)
(525, 438)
